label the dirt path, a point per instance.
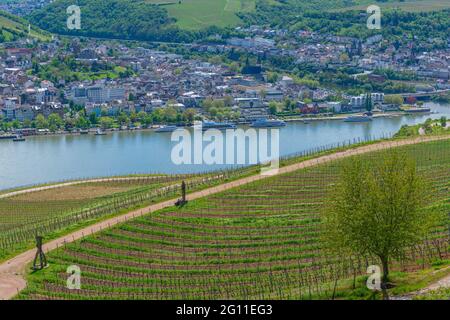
(442, 283)
(12, 272)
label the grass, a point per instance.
(14, 26)
(29, 211)
(56, 212)
(407, 5)
(405, 285)
(197, 14)
(258, 241)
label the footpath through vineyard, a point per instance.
(12, 272)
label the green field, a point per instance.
(258, 241)
(197, 14)
(14, 27)
(53, 212)
(407, 5)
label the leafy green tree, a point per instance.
(82, 123)
(27, 123)
(189, 114)
(369, 104)
(170, 114)
(273, 108)
(147, 120)
(394, 99)
(377, 209)
(123, 119)
(93, 119)
(106, 122)
(15, 124)
(41, 122)
(55, 122)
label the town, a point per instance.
(225, 150)
(68, 85)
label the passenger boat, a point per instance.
(418, 110)
(217, 125)
(167, 129)
(363, 118)
(7, 136)
(266, 123)
(100, 132)
(19, 139)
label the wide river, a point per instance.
(55, 158)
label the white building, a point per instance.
(97, 94)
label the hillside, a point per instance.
(197, 14)
(408, 5)
(13, 28)
(258, 241)
(189, 20)
(137, 20)
(59, 207)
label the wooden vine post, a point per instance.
(40, 261)
(181, 202)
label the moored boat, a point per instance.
(167, 129)
(7, 136)
(266, 123)
(418, 110)
(19, 139)
(217, 125)
(100, 132)
(362, 118)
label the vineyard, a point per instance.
(49, 211)
(257, 241)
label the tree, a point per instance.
(55, 122)
(82, 123)
(123, 119)
(93, 118)
(189, 114)
(263, 93)
(288, 104)
(41, 122)
(106, 122)
(394, 99)
(411, 100)
(369, 105)
(378, 210)
(272, 77)
(273, 108)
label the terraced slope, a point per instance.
(49, 211)
(13, 28)
(258, 241)
(197, 14)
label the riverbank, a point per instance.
(345, 116)
(94, 130)
(62, 158)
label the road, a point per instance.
(442, 283)
(13, 271)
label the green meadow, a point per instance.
(197, 14)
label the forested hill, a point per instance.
(189, 20)
(125, 19)
(13, 28)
